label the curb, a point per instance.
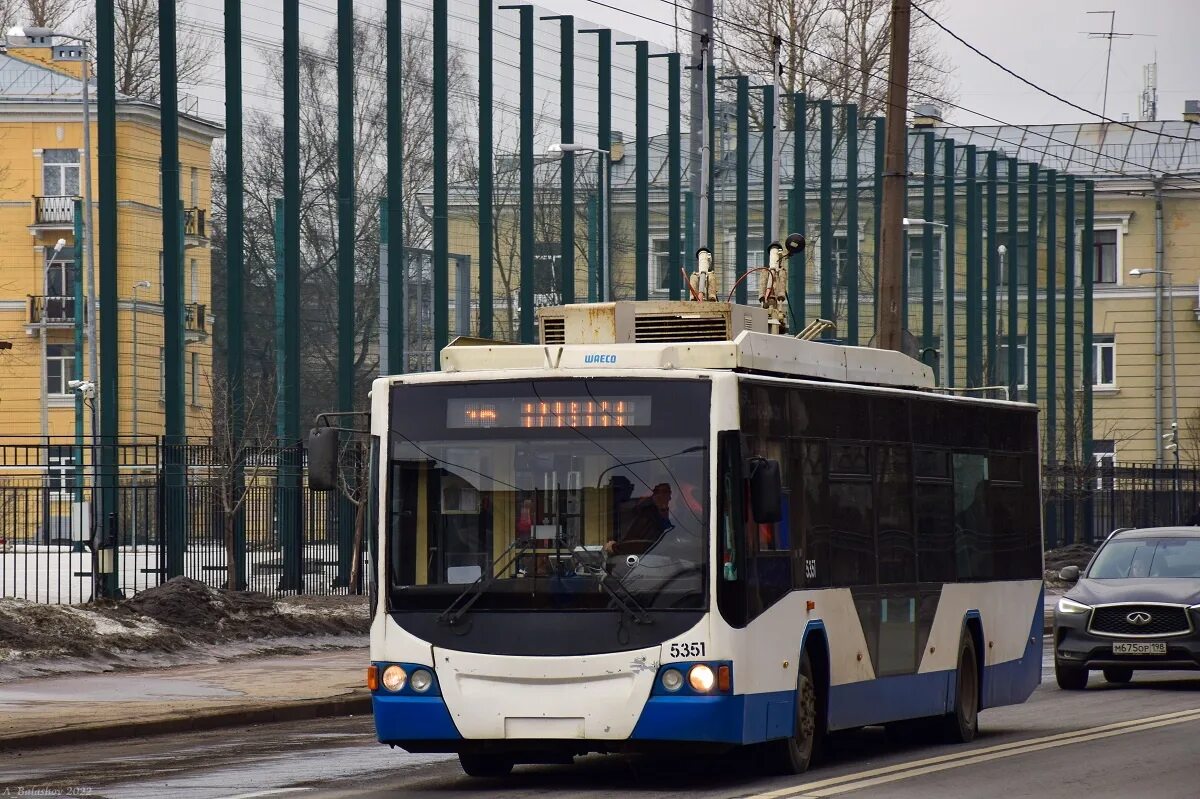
(354, 704)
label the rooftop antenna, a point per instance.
(1109, 34)
(1150, 91)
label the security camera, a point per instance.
(84, 387)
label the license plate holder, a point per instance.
(1139, 648)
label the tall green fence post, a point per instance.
(641, 170)
(949, 187)
(1012, 275)
(1087, 279)
(928, 189)
(1031, 284)
(175, 505)
(1069, 385)
(566, 132)
(991, 257)
(397, 262)
(441, 180)
(826, 211)
(850, 279)
(797, 213)
(974, 273)
(235, 215)
(345, 264)
(486, 184)
(674, 177)
(292, 519)
(603, 289)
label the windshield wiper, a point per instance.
(454, 613)
(630, 605)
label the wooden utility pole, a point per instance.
(895, 179)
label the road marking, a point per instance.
(866, 779)
(271, 792)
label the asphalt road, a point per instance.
(1110, 741)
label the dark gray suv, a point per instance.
(1136, 606)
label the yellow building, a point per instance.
(41, 175)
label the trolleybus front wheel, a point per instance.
(795, 754)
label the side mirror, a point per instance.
(1069, 574)
(766, 491)
(323, 459)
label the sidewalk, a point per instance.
(50, 711)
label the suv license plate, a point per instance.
(1140, 648)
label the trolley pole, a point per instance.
(891, 245)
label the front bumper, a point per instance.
(1075, 645)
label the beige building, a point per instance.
(1146, 347)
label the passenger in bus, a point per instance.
(525, 519)
(651, 518)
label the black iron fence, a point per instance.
(173, 510)
(184, 510)
(1083, 504)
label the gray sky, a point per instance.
(1041, 39)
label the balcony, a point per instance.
(195, 319)
(52, 311)
(193, 223)
(54, 211)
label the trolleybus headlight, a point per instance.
(672, 680)
(701, 678)
(394, 678)
(420, 681)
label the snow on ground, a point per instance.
(180, 621)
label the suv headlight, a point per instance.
(1071, 606)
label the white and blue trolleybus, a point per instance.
(664, 528)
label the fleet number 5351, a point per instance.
(688, 650)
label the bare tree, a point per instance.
(236, 462)
(10, 13)
(136, 45)
(50, 13)
(832, 49)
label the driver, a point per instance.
(651, 518)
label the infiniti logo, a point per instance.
(1139, 617)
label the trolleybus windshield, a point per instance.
(583, 494)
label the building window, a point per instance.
(841, 256)
(194, 282)
(1107, 266)
(547, 268)
(60, 368)
(1022, 364)
(194, 378)
(1104, 451)
(162, 373)
(916, 265)
(59, 465)
(162, 281)
(60, 173)
(660, 265)
(1104, 362)
(60, 279)
(754, 259)
(195, 192)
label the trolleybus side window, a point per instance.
(851, 515)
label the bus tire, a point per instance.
(1070, 678)
(794, 755)
(961, 725)
(485, 764)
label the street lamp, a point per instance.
(557, 150)
(1173, 436)
(947, 265)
